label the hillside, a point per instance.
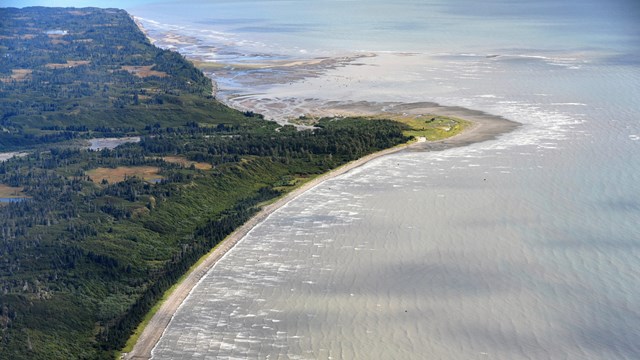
(80, 73)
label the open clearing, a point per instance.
(68, 64)
(144, 71)
(146, 173)
(18, 75)
(187, 163)
(11, 192)
(431, 127)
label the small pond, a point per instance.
(11, 200)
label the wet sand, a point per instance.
(484, 127)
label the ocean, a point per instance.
(522, 247)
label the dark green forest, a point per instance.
(101, 78)
(82, 258)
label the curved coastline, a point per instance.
(484, 127)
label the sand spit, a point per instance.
(485, 127)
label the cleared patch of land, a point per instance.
(432, 127)
(68, 64)
(187, 163)
(147, 173)
(7, 191)
(79, 13)
(144, 71)
(18, 75)
(24, 37)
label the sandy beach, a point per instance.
(484, 127)
(284, 105)
(515, 248)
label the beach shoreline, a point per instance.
(483, 127)
(438, 250)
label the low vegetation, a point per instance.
(429, 126)
(187, 163)
(11, 192)
(107, 176)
